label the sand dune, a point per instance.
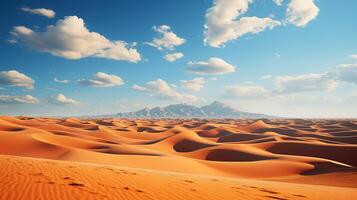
(29, 178)
(265, 153)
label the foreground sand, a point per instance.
(177, 159)
(29, 178)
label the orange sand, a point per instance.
(46, 158)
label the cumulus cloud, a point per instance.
(60, 81)
(61, 100)
(245, 91)
(195, 84)
(222, 23)
(301, 12)
(27, 99)
(292, 86)
(15, 78)
(172, 57)
(212, 66)
(40, 11)
(278, 2)
(317, 81)
(306, 82)
(162, 90)
(101, 79)
(70, 38)
(167, 39)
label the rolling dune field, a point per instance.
(53, 158)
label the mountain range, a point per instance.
(213, 110)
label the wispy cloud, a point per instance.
(160, 89)
(195, 84)
(8, 100)
(101, 79)
(61, 100)
(40, 11)
(212, 66)
(60, 81)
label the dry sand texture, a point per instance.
(46, 158)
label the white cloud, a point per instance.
(245, 91)
(15, 78)
(267, 76)
(139, 88)
(306, 82)
(70, 38)
(118, 51)
(315, 81)
(167, 39)
(172, 57)
(344, 66)
(347, 73)
(27, 99)
(195, 84)
(162, 90)
(278, 2)
(101, 79)
(301, 12)
(212, 66)
(222, 23)
(61, 100)
(40, 11)
(354, 56)
(60, 81)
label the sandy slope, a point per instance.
(319, 152)
(29, 178)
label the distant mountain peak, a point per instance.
(216, 109)
(217, 103)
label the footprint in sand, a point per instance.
(76, 184)
(268, 191)
(253, 187)
(279, 198)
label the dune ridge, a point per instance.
(279, 150)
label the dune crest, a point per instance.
(278, 150)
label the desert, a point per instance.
(73, 158)
(178, 100)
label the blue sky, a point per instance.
(294, 58)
